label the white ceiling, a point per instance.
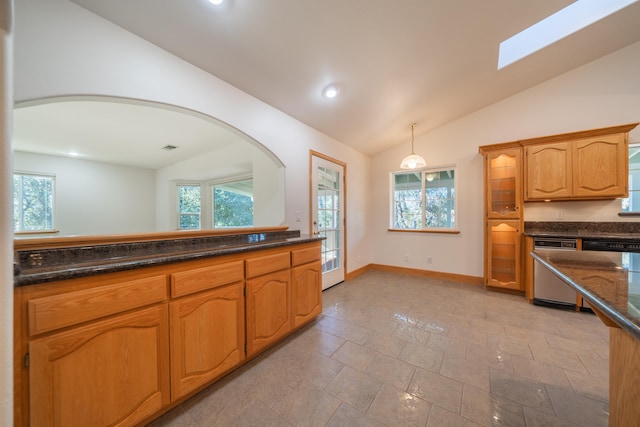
(397, 62)
(121, 132)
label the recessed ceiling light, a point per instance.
(331, 91)
(216, 2)
(73, 153)
(561, 24)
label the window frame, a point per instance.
(228, 181)
(21, 230)
(177, 201)
(631, 191)
(423, 179)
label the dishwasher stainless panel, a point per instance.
(548, 289)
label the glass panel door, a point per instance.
(328, 217)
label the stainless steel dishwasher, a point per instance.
(548, 289)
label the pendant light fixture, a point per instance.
(412, 161)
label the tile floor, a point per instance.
(391, 350)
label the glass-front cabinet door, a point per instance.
(503, 254)
(503, 180)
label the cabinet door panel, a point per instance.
(503, 180)
(503, 255)
(601, 167)
(113, 372)
(268, 309)
(207, 337)
(548, 171)
(306, 298)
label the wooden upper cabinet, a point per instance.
(549, 169)
(601, 166)
(588, 165)
(503, 169)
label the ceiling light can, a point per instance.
(331, 91)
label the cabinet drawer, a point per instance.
(268, 263)
(303, 256)
(57, 311)
(199, 279)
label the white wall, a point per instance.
(6, 214)
(600, 94)
(268, 183)
(62, 49)
(94, 197)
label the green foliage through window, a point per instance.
(189, 206)
(233, 204)
(423, 200)
(33, 202)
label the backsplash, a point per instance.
(582, 227)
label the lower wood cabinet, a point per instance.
(306, 298)
(503, 254)
(118, 349)
(268, 305)
(207, 337)
(111, 372)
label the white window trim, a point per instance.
(424, 171)
(53, 203)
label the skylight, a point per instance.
(561, 24)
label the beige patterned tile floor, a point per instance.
(391, 350)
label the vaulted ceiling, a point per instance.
(396, 62)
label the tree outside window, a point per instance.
(233, 204)
(33, 202)
(423, 199)
(188, 206)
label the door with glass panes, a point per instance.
(327, 215)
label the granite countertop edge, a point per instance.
(131, 263)
(612, 313)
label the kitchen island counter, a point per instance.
(610, 282)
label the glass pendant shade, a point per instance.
(413, 160)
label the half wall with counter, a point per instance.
(610, 283)
(118, 332)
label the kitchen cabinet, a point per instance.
(268, 310)
(98, 372)
(503, 180)
(503, 172)
(121, 348)
(578, 169)
(306, 296)
(601, 166)
(503, 255)
(549, 169)
(207, 328)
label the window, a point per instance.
(33, 202)
(233, 204)
(423, 200)
(632, 203)
(188, 206)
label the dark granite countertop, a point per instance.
(40, 266)
(584, 230)
(610, 281)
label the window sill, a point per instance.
(629, 214)
(431, 230)
(35, 232)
